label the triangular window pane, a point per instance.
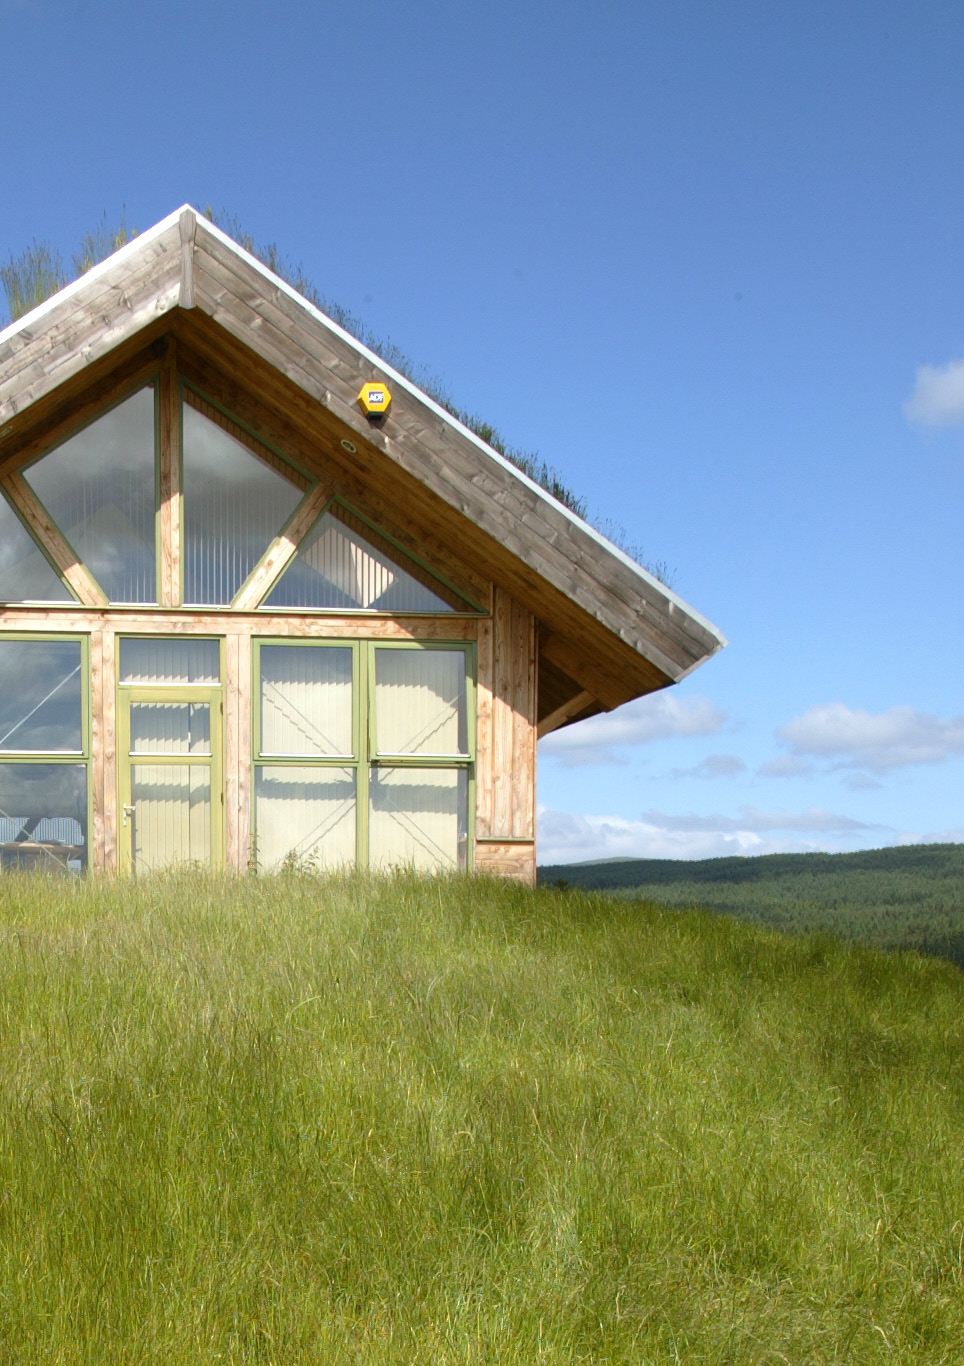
(234, 506)
(339, 569)
(25, 572)
(99, 488)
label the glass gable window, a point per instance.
(26, 575)
(44, 753)
(338, 569)
(234, 506)
(99, 487)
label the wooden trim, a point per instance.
(65, 559)
(514, 859)
(483, 767)
(169, 480)
(282, 549)
(95, 851)
(236, 755)
(70, 416)
(113, 307)
(562, 714)
(502, 715)
(138, 621)
(187, 227)
(587, 671)
(108, 722)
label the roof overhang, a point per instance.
(607, 622)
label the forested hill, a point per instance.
(906, 897)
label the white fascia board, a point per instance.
(403, 382)
(130, 248)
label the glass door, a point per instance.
(170, 770)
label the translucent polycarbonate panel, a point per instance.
(306, 700)
(99, 488)
(153, 660)
(336, 569)
(234, 506)
(418, 817)
(170, 728)
(305, 816)
(25, 572)
(41, 696)
(171, 815)
(43, 816)
(420, 706)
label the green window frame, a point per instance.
(366, 762)
(52, 855)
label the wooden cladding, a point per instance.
(506, 770)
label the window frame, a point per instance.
(364, 731)
(69, 758)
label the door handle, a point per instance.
(128, 811)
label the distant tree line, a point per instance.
(911, 897)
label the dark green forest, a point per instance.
(910, 897)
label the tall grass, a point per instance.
(292, 1121)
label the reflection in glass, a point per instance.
(171, 815)
(234, 506)
(40, 696)
(337, 569)
(150, 660)
(305, 815)
(306, 700)
(420, 702)
(25, 573)
(170, 728)
(418, 818)
(99, 488)
(43, 816)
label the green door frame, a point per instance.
(129, 693)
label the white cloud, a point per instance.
(660, 716)
(752, 818)
(713, 766)
(568, 838)
(938, 397)
(786, 766)
(876, 741)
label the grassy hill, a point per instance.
(292, 1121)
(910, 897)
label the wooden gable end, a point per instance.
(558, 624)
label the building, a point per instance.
(245, 620)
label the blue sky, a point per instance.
(707, 260)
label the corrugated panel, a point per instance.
(420, 704)
(338, 569)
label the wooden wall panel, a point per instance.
(95, 836)
(237, 752)
(170, 484)
(505, 784)
(515, 860)
(483, 737)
